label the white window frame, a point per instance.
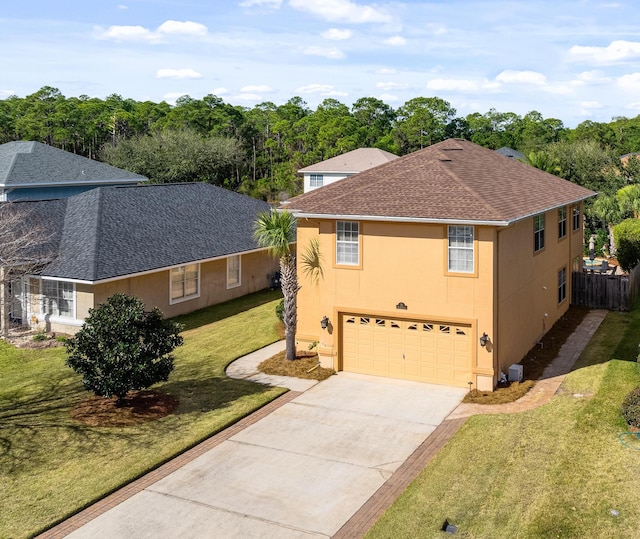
(346, 245)
(182, 271)
(234, 274)
(562, 222)
(461, 242)
(576, 218)
(316, 180)
(538, 232)
(562, 285)
(50, 303)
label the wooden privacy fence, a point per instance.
(601, 291)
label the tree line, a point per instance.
(258, 150)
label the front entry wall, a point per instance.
(424, 351)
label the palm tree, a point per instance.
(543, 161)
(276, 231)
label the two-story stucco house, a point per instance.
(342, 166)
(445, 266)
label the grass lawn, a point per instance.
(556, 471)
(52, 466)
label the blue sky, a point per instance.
(574, 60)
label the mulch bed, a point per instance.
(137, 407)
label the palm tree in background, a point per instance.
(276, 231)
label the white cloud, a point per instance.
(336, 34)
(616, 52)
(334, 53)
(459, 85)
(274, 4)
(386, 71)
(591, 105)
(260, 88)
(322, 89)
(390, 85)
(510, 76)
(7, 93)
(139, 33)
(248, 97)
(388, 97)
(591, 78)
(178, 74)
(189, 28)
(122, 7)
(171, 97)
(630, 81)
(220, 91)
(341, 10)
(634, 106)
(395, 41)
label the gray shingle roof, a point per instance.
(353, 161)
(510, 152)
(110, 232)
(24, 164)
(454, 180)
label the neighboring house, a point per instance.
(510, 152)
(36, 171)
(342, 166)
(179, 247)
(446, 265)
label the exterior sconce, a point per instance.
(484, 339)
(324, 323)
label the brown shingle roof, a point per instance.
(454, 180)
(353, 161)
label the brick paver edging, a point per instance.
(102, 506)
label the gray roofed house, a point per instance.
(35, 171)
(179, 247)
(342, 166)
(510, 152)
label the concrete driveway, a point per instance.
(300, 472)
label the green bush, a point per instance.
(627, 237)
(40, 336)
(631, 408)
(280, 311)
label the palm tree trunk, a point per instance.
(289, 283)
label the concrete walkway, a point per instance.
(169, 508)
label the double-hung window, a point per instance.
(233, 271)
(460, 249)
(58, 298)
(185, 282)
(562, 285)
(562, 222)
(538, 232)
(576, 218)
(316, 180)
(348, 243)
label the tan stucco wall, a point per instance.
(153, 289)
(527, 305)
(401, 262)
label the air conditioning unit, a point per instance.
(516, 373)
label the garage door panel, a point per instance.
(434, 352)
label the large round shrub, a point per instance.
(121, 347)
(631, 408)
(627, 238)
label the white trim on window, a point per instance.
(184, 283)
(234, 271)
(538, 232)
(460, 249)
(348, 243)
(562, 285)
(316, 180)
(562, 222)
(58, 300)
(576, 218)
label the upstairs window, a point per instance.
(316, 180)
(185, 282)
(562, 285)
(562, 222)
(576, 218)
(348, 243)
(460, 249)
(538, 232)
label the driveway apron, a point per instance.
(300, 472)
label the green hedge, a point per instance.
(627, 237)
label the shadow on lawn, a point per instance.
(221, 311)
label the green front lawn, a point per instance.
(52, 466)
(557, 471)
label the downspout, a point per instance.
(496, 299)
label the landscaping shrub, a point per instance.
(631, 408)
(280, 311)
(627, 237)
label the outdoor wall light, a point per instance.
(484, 339)
(324, 323)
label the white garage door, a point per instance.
(425, 351)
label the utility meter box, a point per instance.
(516, 373)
